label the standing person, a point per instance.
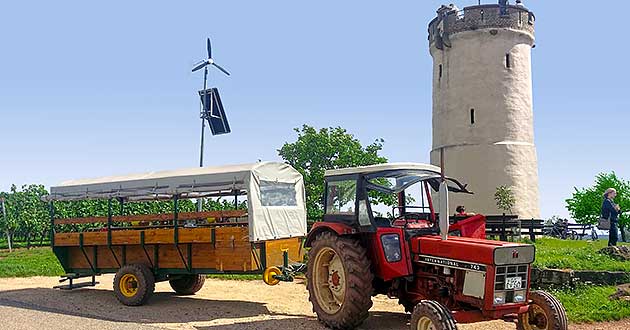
(611, 211)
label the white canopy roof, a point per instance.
(383, 167)
(275, 192)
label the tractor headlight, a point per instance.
(391, 247)
(499, 298)
(519, 296)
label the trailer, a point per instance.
(182, 247)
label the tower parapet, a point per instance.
(451, 21)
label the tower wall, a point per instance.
(482, 105)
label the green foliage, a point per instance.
(576, 255)
(316, 151)
(586, 203)
(504, 196)
(591, 304)
(26, 213)
(33, 262)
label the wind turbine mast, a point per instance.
(208, 104)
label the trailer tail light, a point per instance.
(391, 247)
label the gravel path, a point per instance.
(30, 303)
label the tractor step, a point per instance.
(71, 285)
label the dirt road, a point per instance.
(30, 303)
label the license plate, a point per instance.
(512, 283)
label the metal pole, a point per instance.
(203, 127)
(4, 216)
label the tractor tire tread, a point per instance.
(441, 316)
(550, 304)
(359, 282)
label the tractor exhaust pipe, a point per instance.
(444, 215)
(444, 210)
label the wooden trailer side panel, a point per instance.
(219, 249)
(274, 251)
(222, 249)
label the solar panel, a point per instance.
(213, 111)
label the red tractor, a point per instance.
(441, 274)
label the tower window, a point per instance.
(472, 116)
(440, 71)
(508, 61)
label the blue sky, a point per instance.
(90, 89)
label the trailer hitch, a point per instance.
(274, 275)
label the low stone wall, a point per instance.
(545, 278)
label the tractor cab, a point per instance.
(356, 197)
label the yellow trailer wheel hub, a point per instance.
(128, 285)
(269, 275)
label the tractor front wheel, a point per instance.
(545, 313)
(431, 315)
(187, 284)
(339, 281)
(134, 284)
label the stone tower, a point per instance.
(482, 104)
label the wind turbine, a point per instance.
(204, 64)
(198, 66)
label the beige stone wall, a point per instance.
(498, 149)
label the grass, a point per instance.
(586, 304)
(236, 277)
(33, 262)
(576, 255)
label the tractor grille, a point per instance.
(510, 271)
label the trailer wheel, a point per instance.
(188, 284)
(545, 313)
(431, 315)
(339, 281)
(134, 284)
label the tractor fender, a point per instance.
(339, 229)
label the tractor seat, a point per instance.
(412, 223)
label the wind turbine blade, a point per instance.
(200, 65)
(220, 68)
(209, 49)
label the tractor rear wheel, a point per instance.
(134, 284)
(431, 315)
(187, 284)
(339, 281)
(545, 313)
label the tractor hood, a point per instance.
(474, 250)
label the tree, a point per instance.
(586, 203)
(505, 198)
(316, 151)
